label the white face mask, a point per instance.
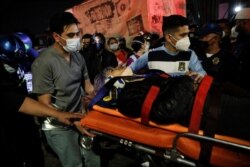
(209, 55)
(114, 46)
(72, 45)
(182, 44)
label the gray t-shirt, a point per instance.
(63, 80)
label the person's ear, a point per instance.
(218, 38)
(56, 37)
(168, 38)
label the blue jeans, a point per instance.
(66, 145)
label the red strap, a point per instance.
(199, 102)
(147, 104)
(163, 75)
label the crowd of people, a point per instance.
(66, 76)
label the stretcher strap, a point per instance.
(147, 104)
(106, 88)
(199, 102)
(164, 75)
(213, 108)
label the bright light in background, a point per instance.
(237, 8)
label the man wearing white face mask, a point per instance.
(174, 57)
(58, 75)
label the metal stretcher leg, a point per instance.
(172, 155)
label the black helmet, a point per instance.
(12, 49)
(98, 40)
(14, 56)
(15, 63)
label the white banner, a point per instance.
(125, 17)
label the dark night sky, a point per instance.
(30, 16)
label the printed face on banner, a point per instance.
(135, 25)
(159, 8)
(122, 6)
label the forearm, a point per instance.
(35, 108)
(196, 66)
(89, 87)
(139, 63)
(127, 72)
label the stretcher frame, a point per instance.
(177, 143)
(181, 146)
(173, 154)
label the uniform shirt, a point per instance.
(173, 67)
(220, 65)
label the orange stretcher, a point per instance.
(173, 142)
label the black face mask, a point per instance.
(85, 46)
(99, 46)
(203, 45)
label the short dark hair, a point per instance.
(111, 38)
(170, 23)
(60, 20)
(122, 39)
(86, 36)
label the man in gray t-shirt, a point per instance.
(58, 76)
(52, 74)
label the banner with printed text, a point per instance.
(125, 17)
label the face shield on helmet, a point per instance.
(26, 40)
(98, 42)
(14, 58)
(11, 49)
